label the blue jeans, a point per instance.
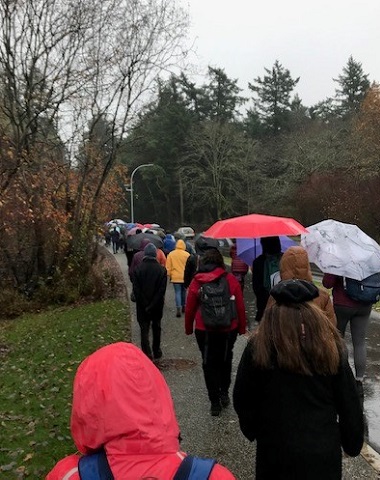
(180, 294)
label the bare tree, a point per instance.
(65, 65)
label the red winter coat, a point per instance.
(193, 312)
(122, 402)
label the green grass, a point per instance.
(39, 355)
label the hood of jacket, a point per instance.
(209, 273)
(121, 401)
(295, 264)
(181, 245)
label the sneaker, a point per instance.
(215, 409)
(224, 400)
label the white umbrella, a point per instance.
(342, 249)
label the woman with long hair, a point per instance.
(295, 392)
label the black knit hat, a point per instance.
(294, 291)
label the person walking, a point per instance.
(265, 272)
(115, 239)
(202, 244)
(294, 264)
(295, 393)
(138, 257)
(175, 266)
(357, 314)
(238, 267)
(216, 345)
(149, 287)
(122, 409)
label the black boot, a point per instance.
(216, 408)
(178, 312)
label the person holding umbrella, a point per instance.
(345, 253)
(266, 272)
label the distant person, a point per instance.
(175, 266)
(130, 251)
(202, 245)
(357, 314)
(265, 272)
(138, 257)
(149, 287)
(115, 239)
(238, 267)
(122, 407)
(215, 343)
(294, 264)
(295, 393)
(169, 243)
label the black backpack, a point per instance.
(216, 304)
(365, 291)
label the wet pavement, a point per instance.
(220, 437)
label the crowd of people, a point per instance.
(295, 392)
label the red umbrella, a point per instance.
(253, 226)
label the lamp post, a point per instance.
(131, 187)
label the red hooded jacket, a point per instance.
(121, 401)
(193, 313)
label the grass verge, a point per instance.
(39, 355)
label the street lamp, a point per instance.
(131, 187)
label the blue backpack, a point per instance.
(365, 291)
(96, 467)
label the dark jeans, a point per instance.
(145, 320)
(217, 352)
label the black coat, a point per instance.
(149, 283)
(300, 422)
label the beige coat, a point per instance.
(295, 264)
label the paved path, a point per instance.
(217, 437)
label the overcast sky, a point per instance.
(312, 39)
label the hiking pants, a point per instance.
(145, 319)
(217, 351)
(358, 318)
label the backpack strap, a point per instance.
(195, 468)
(95, 467)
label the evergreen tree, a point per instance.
(353, 86)
(222, 96)
(273, 102)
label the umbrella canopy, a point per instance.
(253, 226)
(249, 248)
(134, 241)
(118, 221)
(342, 249)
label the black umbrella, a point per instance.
(134, 241)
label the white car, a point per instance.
(187, 232)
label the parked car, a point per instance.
(187, 232)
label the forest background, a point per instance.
(91, 90)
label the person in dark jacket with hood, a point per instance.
(149, 287)
(202, 244)
(263, 272)
(295, 393)
(217, 346)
